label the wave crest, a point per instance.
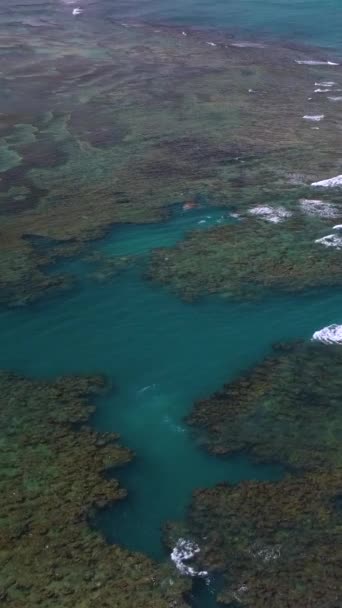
(332, 334)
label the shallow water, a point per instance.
(310, 22)
(160, 353)
(306, 21)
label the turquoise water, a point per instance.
(161, 355)
(132, 240)
(306, 21)
(311, 22)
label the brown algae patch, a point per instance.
(97, 130)
(277, 544)
(286, 409)
(53, 477)
(246, 259)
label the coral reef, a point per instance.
(113, 123)
(247, 259)
(277, 544)
(54, 474)
(285, 409)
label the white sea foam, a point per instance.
(335, 98)
(211, 43)
(77, 11)
(322, 90)
(318, 207)
(184, 34)
(337, 227)
(149, 387)
(266, 554)
(246, 45)
(325, 83)
(332, 334)
(182, 553)
(314, 62)
(270, 214)
(313, 117)
(332, 182)
(331, 240)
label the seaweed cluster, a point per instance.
(113, 124)
(286, 409)
(55, 473)
(248, 259)
(276, 543)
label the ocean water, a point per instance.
(310, 22)
(305, 21)
(159, 352)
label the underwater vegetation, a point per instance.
(277, 544)
(249, 259)
(55, 473)
(285, 409)
(104, 124)
(112, 124)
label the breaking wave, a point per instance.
(331, 240)
(332, 334)
(270, 214)
(318, 207)
(182, 553)
(333, 182)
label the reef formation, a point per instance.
(277, 544)
(248, 259)
(55, 473)
(105, 123)
(286, 409)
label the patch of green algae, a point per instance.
(113, 124)
(247, 259)
(53, 477)
(277, 544)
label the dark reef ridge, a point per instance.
(52, 479)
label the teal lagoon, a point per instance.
(160, 354)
